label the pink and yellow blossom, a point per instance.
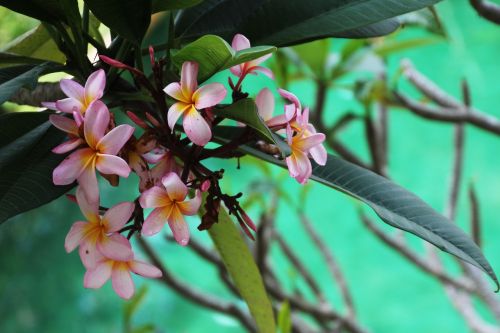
(119, 273)
(190, 100)
(99, 154)
(239, 43)
(99, 234)
(170, 205)
(79, 97)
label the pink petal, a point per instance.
(236, 70)
(299, 166)
(277, 121)
(290, 111)
(65, 124)
(175, 187)
(122, 281)
(72, 89)
(115, 247)
(196, 128)
(69, 105)
(174, 90)
(67, 146)
(117, 216)
(265, 103)
(264, 70)
(90, 209)
(179, 227)
(94, 87)
(189, 81)
(190, 207)
(88, 182)
(289, 96)
(240, 42)
(112, 165)
(310, 141)
(72, 167)
(155, 221)
(145, 269)
(95, 278)
(154, 197)
(175, 111)
(74, 236)
(89, 254)
(319, 154)
(50, 105)
(115, 139)
(96, 122)
(209, 95)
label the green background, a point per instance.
(41, 286)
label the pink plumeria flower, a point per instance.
(99, 235)
(119, 272)
(239, 43)
(170, 205)
(100, 153)
(80, 98)
(298, 162)
(190, 100)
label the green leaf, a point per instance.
(162, 5)
(37, 44)
(285, 318)
(245, 111)
(27, 162)
(243, 271)
(284, 23)
(129, 18)
(213, 54)
(426, 18)
(393, 204)
(14, 59)
(52, 11)
(14, 78)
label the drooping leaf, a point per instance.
(26, 174)
(243, 271)
(15, 59)
(389, 47)
(36, 43)
(245, 111)
(314, 55)
(426, 18)
(284, 23)
(14, 78)
(213, 54)
(393, 204)
(129, 18)
(162, 5)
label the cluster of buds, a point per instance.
(168, 164)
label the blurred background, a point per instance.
(41, 285)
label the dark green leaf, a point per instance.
(129, 18)
(26, 173)
(52, 11)
(15, 59)
(245, 111)
(162, 5)
(243, 271)
(213, 55)
(283, 23)
(14, 78)
(392, 203)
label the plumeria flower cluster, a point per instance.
(165, 150)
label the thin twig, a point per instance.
(487, 10)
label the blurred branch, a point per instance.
(332, 265)
(196, 296)
(43, 92)
(487, 10)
